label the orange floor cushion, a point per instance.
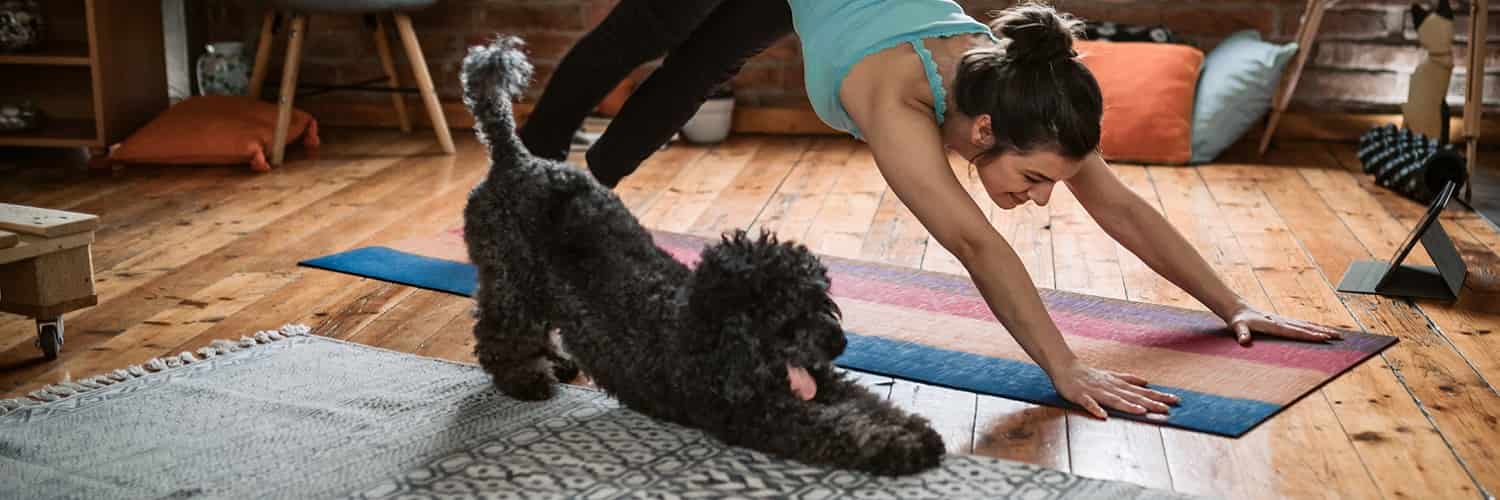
(1148, 98)
(214, 130)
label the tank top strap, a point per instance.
(934, 80)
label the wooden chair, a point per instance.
(375, 12)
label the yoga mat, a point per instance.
(935, 328)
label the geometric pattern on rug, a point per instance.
(598, 451)
(282, 414)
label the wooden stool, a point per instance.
(374, 11)
(46, 267)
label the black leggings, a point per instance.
(706, 42)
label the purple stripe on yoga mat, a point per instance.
(1143, 313)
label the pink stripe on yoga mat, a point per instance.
(1185, 335)
(1201, 341)
(1162, 366)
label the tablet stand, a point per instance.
(1394, 278)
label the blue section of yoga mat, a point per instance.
(904, 360)
(1027, 382)
(395, 266)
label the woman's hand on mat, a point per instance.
(1095, 389)
(1248, 320)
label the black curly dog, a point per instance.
(707, 348)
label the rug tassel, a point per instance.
(66, 389)
(90, 383)
(218, 347)
(222, 346)
(43, 395)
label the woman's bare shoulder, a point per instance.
(893, 77)
(896, 75)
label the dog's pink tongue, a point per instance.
(802, 383)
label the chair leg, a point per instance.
(1311, 18)
(262, 54)
(288, 87)
(1474, 90)
(424, 81)
(383, 47)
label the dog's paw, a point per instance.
(917, 423)
(532, 382)
(566, 370)
(908, 451)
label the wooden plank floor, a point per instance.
(188, 255)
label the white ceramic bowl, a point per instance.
(712, 122)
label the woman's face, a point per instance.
(1010, 178)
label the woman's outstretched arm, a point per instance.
(1146, 233)
(908, 151)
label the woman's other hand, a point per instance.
(1248, 320)
(1095, 389)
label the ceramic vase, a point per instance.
(223, 70)
(20, 25)
(20, 116)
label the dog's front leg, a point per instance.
(845, 427)
(517, 355)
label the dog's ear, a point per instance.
(768, 281)
(723, 283)
(744, 276)
(746, 368)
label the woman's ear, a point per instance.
(980, 133)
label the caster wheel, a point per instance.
(100, 165)
(49, 337)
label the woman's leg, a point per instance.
(634, 32)
(717, 49)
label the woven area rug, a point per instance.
(286, 415)
(935, 328)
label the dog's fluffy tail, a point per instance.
(493, 74)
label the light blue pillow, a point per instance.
(1235, 87)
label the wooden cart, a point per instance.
(46, 267)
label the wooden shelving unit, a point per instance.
(62, 53)
(99, 74)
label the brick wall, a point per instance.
(1365, 51)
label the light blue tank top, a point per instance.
(836, 34)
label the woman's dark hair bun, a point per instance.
(1038, 92)
(1037, 33)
